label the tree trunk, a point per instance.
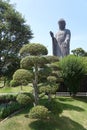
(49, 97)
(21, 87)
(36, 97)
(35, 82)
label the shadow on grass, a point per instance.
(25, 111)
(83, 99)
(65, 99)
(65, 106)
(62, 123)
(71, 107)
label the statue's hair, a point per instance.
(62, 21)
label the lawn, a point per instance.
(74, 117)
(16, 89)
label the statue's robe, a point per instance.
(61, 43)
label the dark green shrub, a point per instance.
(7, 97)
(54, 106)
(7, 83)
(24, 98)
(39, 112)
(72, 70)
(14, 83)
(7, 109)
(4, 112)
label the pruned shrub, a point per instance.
(39, 112)
(52, 79)
(32, 49)
(22, 76)
(54, 106)
(25, 99)
(48, 89)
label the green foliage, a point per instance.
(7, 109)
(13, 83)
(22, 76)
(39, 112)
(34, 49)
(9, 65)
(52, 79)
(25, 98)
(54, 106)
(52, 59)
(79, 52)
(31, 61)
(7, 97)
(48, 89)
(73, 70)
(14, 33)
(44, 72)
(34, 61)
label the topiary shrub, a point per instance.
(39, 112)
(22, 76)
(54, 106)
(34, 49)
(48, 89)
(24, 98)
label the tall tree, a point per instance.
(35, 60)
(14, 32)
(73, 68)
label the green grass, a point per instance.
(74, 117)
(16, 89)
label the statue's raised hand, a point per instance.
(51, 34)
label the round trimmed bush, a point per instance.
(25, 98)
(22, 76)
(34, 49)
(48, 89)
(39, 112)
(52, 79)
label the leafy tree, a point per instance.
(73, 70)
(9, 66)
(35, 61)
(79, 52)
(14, 33)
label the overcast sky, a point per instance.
(43, 15)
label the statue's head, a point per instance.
(62, 24)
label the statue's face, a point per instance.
(61, 25)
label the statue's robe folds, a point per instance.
(61, 43)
